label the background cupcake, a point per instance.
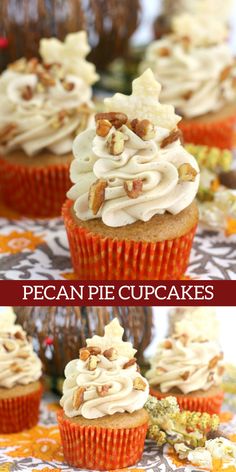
(131, 213)
(189, 365)
(44, 104)
(197, 71)
(20, 371)
(103, 424)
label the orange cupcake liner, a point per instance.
(34, 191)
(19, 413)
(221, 134)
(96, 448)
(209, 404)
(97, 258)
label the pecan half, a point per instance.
(111, 354)
(8, 346)
(117, 119)
(103, 127)
(187, 173)
(102, 390)
(92, 362)
(129, 363)
(78, 397)
(145, 129)
(225, 73)
(116, 143)
(173, 136)
(213, 362)
(139, 384)
(97, 195)
(27, 93)
(220, 370)
(133, 188)
(185, 375)
(84, 354)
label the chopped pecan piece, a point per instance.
(167, 344)
(184, 339)
(185, 375)
(27, 93)
(102, 390)
(187, 173)
(220, 370)
(78, 397)
(213, 362)
(95, 350)
(23, 355)
(46, 78)
(103, 127)
(164, 52)
(186, 42)
(129, 363)
(144, 129)
(111, 354)
(84, 354)
(160, 371)
(8, 346)
(173, 136)
(15, 368)
(225, 73)
(19, 335)
(68, 86)
(133, 188)
(92, 362)
(97, 195)
(211, 377)
(7, 132)
(187, 95)
(116, 119)
(139, 384)
(32, 65)
(116, 143)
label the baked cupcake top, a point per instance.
(105, 379)
(133, 165)
(44, 104)
(187, 361)
(19, 365)
(194, 64)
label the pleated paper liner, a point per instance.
(95, 448)
(19, 413)
(221, 134)
(98, 258)
(208, 403)
(34, 191)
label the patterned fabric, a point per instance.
(38, 249)
(40, 448)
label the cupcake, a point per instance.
(131, 212)
(44, 104)
(188, 364)
(20, 371)
(196, 69)
(103, 424)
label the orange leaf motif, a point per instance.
(16, 242)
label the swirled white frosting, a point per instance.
(121, 396)
(195, 322)
(191, 77)
(19, 365)
(186, 366)
(209, 8)
(157, 167)
(38, 120)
